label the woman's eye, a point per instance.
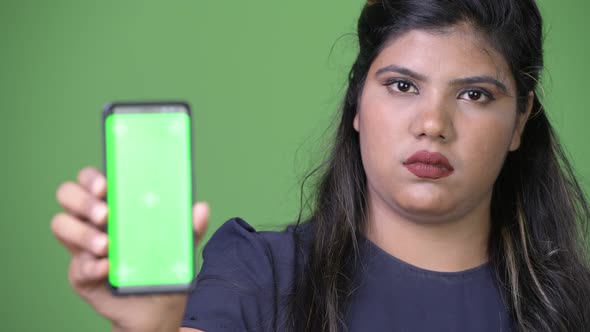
(477, 96)
(402, 86)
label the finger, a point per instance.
(77, 235)
(81, 203)
(200, 219)
(87, 269)
(93, 181)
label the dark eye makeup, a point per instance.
(475, 94)
(401, 85)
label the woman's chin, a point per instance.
(426, 208)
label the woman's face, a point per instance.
(430, 96)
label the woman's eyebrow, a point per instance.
(403, 71)
(480, 79)
(458, 81)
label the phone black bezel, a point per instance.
(108, 110)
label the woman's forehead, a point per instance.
(444, 54)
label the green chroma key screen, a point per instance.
(148, 165)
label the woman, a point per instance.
(446, 204)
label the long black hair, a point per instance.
(539, 239)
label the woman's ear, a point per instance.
(521, 122)
(355, 121)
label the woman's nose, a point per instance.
(434, 119)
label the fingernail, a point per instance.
(98, 185)
(99, 212)
(99, 243)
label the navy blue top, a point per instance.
(246, 276)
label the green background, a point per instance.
(264, 79)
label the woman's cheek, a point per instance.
(487, 148)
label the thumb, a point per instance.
(200, 220)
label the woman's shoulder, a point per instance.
(236, 233)
(244, 277)
(238, 251)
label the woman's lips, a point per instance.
(430, 165)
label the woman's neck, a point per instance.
(439, 245)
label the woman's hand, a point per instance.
(78, 228)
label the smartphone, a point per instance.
(148, 164)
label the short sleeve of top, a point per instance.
(242, 280)
(247, 275)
